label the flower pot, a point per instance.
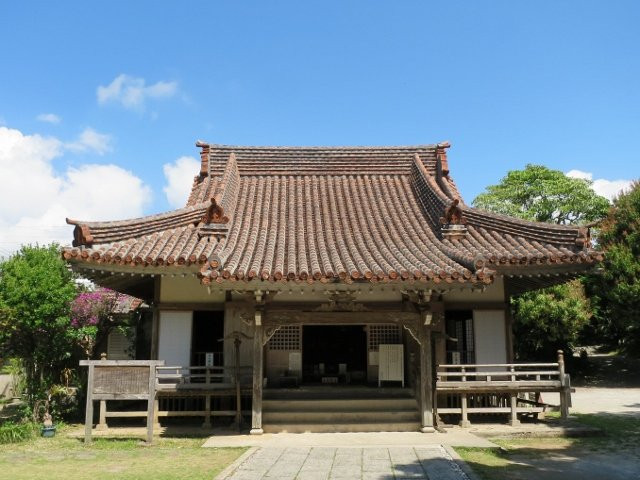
(49, 431)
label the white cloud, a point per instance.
(607, 188)
(132, 92)
(35, 199)
(90, 141)
(49, 118)
(179, 176)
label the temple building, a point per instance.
(346, 270)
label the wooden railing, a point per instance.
(194, 392)
(493, 383)
(174, 378)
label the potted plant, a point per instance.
(42, 410)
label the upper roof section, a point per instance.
(317, 160)
(331, 214)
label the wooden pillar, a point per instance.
(426, 394)
(258, 360)
(508, 332)
(155, 334)
(155, 322)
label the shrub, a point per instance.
(11, 432)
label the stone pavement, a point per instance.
(324, 463)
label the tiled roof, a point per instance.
(330, 214)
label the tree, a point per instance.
(548, 319)
(36, 288)
(540, 194)
(616, 288)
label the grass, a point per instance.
(520, 458)
(62, 457)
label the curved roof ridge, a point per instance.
(88, 232)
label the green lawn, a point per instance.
(532, 458)
(64, 458)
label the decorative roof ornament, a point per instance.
(453, 222)
(583, 239)
(215, 212)
(81, 234)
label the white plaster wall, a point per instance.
(489, 333)
(174, 337)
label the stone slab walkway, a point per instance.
(325, 463)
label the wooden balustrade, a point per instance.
(488, 385)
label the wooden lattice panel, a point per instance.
(121, 380)
(383, 334)
(287, 338)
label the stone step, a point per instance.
(335, 393)
(341, 427)
(340, 417)
(341, 405)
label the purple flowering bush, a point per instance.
(92, 317)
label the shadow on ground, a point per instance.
(614, 455)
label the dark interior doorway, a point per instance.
(208, 329)
(326, 347)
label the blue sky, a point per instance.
(507, 82)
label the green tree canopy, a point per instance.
(548, 319)
(36, 288)
(616, 288)
(540, 194)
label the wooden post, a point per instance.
(102, 423)
(256, 404)
(513, 421)
(156, 417)
(207, 399)
(151, 401)
(207, 409)
(88, 417)
(464, 420)
(564, 404)
(236, 379)
(426, 398)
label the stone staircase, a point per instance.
(339, 409)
